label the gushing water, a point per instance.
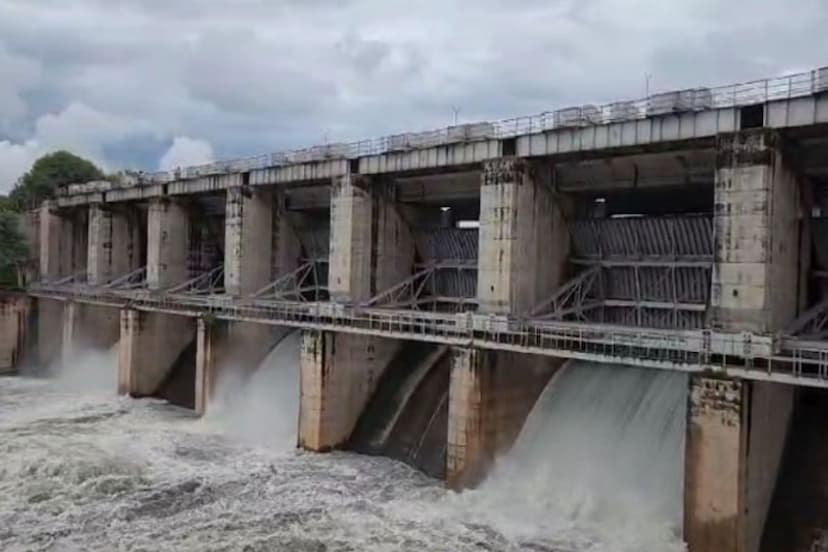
(597, 468)
(262, 407)
(599, 464)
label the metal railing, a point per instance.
(743, 355)
(695, 99)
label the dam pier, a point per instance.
(440, 280)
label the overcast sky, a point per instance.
(159, 83)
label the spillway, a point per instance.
(598, 464)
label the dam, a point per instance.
(446, 290)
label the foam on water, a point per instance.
(83, 470)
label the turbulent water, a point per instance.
(81, 469)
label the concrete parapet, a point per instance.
(168, 244)
(490, 396)
(150, 344)
(524, 242)
(736, 435)
(14, 315)
(339, 372)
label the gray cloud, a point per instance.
(249, 76)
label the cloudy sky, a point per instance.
(159, 83)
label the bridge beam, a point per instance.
(737, 429)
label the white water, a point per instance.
(84, 470)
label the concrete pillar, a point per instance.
(339, 373)
(49, 313)
(371, 245)
(490, 396)
(168, 237)
(248, 242)
(286, 249)
(524, 242)
(735, 442)
(14, 314)
(737, 430)
(756, 232)
(150, 343)
(63, 242)
(114, 244)
(88, 327)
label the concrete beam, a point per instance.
(524, 242)
(168, 239)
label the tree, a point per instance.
(50, 172)
(14, 250)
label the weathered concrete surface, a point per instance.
(524, 242)
(168, 244)
(756, 230)
(338, 375)
(248, 241)
(736, 435)
(63, 241)
(371, 245)
(150, 343)
(490, 396)
(49, 323)
(114, 243)
(14, 316)
(286, 249)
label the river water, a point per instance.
(81, 469)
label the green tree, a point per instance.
(14, 250)
(49, 173)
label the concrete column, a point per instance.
(49, 313)
(371, 245)
(286, 248)
(735, 442)
(756, 233)
(524, 242)
(69, 345)
(114, 244)
(168, 236)
(150, 344)
(338, 375)
(490, 396)
(248, 241)
(14, 314)
(62, 242)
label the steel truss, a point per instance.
(306, 283)
(652, 293)
(136, 279)
(812, 324)
(205, 284)
(421, 290)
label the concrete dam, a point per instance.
(612, 313)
